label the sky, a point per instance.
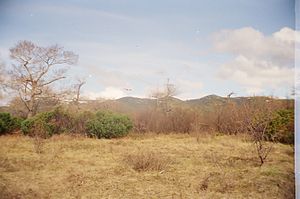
(131, 47)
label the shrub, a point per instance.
(147, 161)
(8, 123)
(2, 127)
(182, 120)
(17, 121)
(47, 124)
(281, 128)
(108, 125)
(177, 119)
(80, 122)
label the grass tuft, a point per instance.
(147, 161)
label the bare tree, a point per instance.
(258, 118)
(171, 89)
(36, 69)
(164, 96)
(263, 148)
(79, 83)
(158, 95)
(230, 94)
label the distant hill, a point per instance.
(206, 103)
(133, 104)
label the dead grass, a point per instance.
(157, 166)
(147, 161)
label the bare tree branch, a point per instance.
(53, 80)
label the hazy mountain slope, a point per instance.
(133, 104)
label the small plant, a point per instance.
(108, 125)
(204, 183)
(263, 147)
(147, 161)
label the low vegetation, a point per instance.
(46, 124)
(101, 124)
(8, 123)
(143, 166)
(108, 125)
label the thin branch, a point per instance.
(52, 81)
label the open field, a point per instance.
(148, 166)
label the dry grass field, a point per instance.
(149, 166)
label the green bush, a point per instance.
(108, 125)
(5, 123)
(8, 123)
(281, 128)
(2, 127)
(46, 124)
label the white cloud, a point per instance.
(189, 85)
(187, 89)
(253, 44)
(107, 93)
(256, 75)
(260, 62)
(288, 35)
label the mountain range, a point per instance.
(206, 103)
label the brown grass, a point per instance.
(147, 161)
(160, 166)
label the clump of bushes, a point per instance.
(8, 123)
(46, 124)
(177, 119)
(98, 125)
(260, 117)
(79, 123)
(108, 125)
(281, 128)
